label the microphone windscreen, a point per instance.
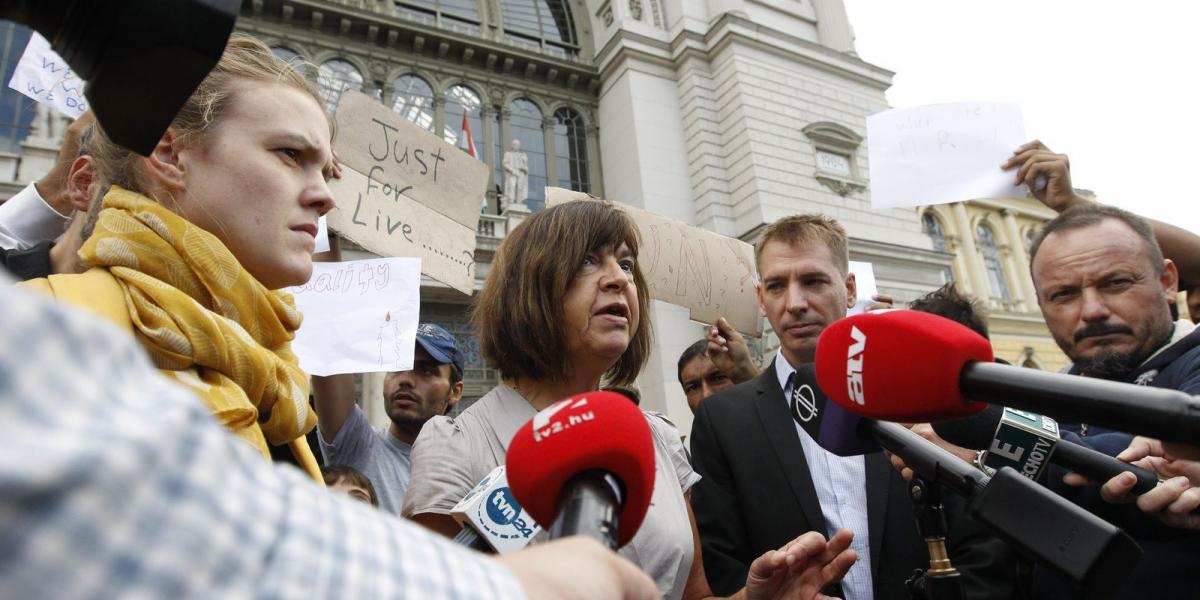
(834, 428)
(600, 431)
(975, 432)
(899, 365)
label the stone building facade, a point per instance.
(726, 114)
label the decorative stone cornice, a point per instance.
(840, 186)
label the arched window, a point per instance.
(462, 100)
(570, 150)
(414, 100)
(933, 228)
(526, 126)
(460, 15)
(997, 281)
(334, 77)
(545, 24)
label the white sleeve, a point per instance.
(26, 219)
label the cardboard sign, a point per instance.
(406, 192)
(408, 161)
(400, 226)
(943, 153)
(359, 316)
(709, 274)
(45, 77)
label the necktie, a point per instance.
(803, 401)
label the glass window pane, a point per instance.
(333, 78)
(461, 100)
(414, 100)
(547, 23)
(933, 228)
(570, 150)
(992, 263)
(16, 110)
(462, 15)
(526, 126)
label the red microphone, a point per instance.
(899, 365)
(911, 366)
(585, 466)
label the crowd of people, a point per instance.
(165, 467)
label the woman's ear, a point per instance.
(80, 181)
(164, 166)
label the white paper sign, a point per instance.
(322, 235)
(44, 76)
(864, 281)
(943, 153)
(360, 316)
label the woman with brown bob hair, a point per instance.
(562, 310)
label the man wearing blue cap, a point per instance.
(410, 399)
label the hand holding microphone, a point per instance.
(1175, 501)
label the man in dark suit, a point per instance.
(764, 479)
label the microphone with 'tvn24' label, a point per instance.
(491, 518)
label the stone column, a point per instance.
(489, 156)
(1021, 259)
(593, 161)
(505, 138)
(371, 400)
(551, 151)
(439, 116)
(972, 260)
(1012, 274)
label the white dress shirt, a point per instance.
(841, 484)
(26, 219)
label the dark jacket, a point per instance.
(1170, 564)
(30, 263)
(757, 494)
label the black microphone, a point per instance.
(1028, 442)
(1040, 524)
(1033, 519)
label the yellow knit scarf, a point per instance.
(206, 322)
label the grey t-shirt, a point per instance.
(451, 455)
(385, 460)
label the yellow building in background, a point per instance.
(990, 240)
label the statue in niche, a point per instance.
(516, 174)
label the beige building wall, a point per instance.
(1018, 333)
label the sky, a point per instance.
(1114, 85)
